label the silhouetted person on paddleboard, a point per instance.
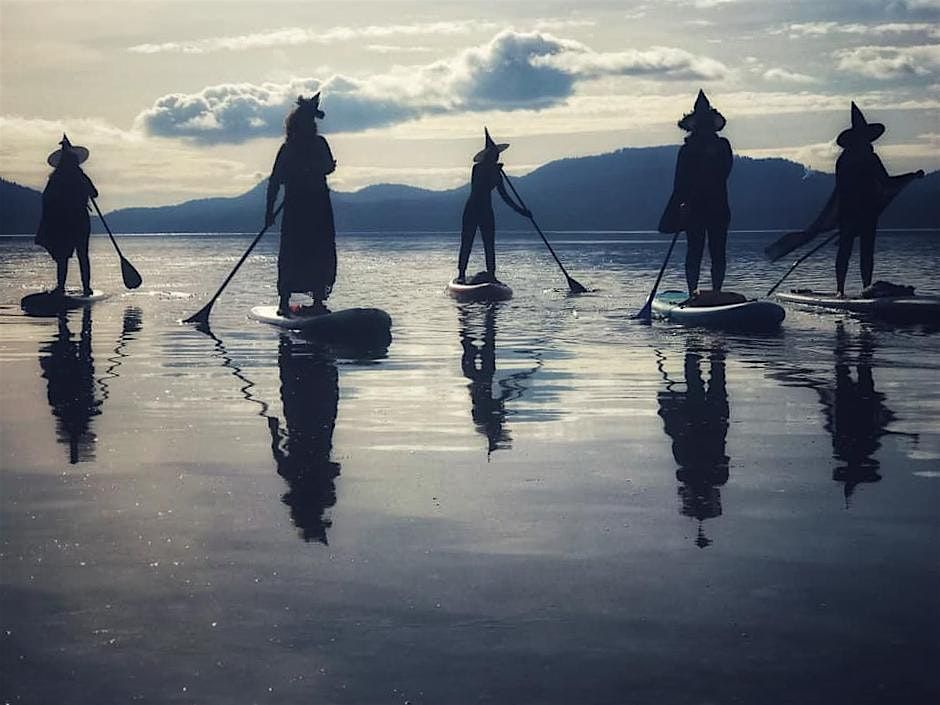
(478, 212)
(64, 227)
(863, 190)
(699, 200)
(306, 260)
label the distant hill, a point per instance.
(622, 190)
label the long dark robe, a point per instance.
(307, 256)
(65, 224)
(701, 184)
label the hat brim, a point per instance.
(713, 120)
(869, 133)
(80, 152)
(481, 155)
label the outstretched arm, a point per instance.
(501, 187)
(274, 185)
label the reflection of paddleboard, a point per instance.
(45, 302)
(913, 309)
(483, 291)
(744, 315)
(370, 326)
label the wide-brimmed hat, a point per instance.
(703, 115)
(312, 104)
(81, 153)
(491, 146)
(861, 129)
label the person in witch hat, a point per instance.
(699, 200)
(64, 226)
(306, 260)
(863, 190)
(478, 212)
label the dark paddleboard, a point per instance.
(904, 309)
(483, 291)
(355, 326)
(46, 303)
(746, 315)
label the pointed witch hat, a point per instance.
(861, 129)
(490, 147)
(81, 153)
(703, 115)
(312, 104)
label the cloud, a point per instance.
(293, 36)
(885, 62)
(397, 49)
(513, 71)
(788, 76)
(821, 29)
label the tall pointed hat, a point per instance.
(81, 153)
(703, 116)
(312, 104)
(490, 146)
(861, 129)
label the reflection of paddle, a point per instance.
(574, 286)
(131, 276)
(201, 317)
(797, 263)
(646, 313)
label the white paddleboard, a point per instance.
(923, 309)
(746, 315)
(351, 325)
(47, 301)
(485, 291)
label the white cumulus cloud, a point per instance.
(515, 70)
(888, 62)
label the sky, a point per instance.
(181, 100)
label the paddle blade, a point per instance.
(201, 317)
(645, 314)
(786, 244)
(131, 276)
(576, 287)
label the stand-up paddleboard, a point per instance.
(359, 326)
(48, 302)
(480, 287)
(742, 315)
(908, 309)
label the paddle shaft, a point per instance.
(571, 282)
(800, 260)
(647, 309)
(202, 315)
(105, 224)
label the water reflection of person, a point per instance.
(302, 446)
(69, 369)
(696, 420)
(856, 415)
(478, 363)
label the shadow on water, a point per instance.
(477, 329)
(696, 419)
(856, 416)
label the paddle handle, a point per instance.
(800, 260)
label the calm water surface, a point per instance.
(540, 501)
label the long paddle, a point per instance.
(575, 286)
(646, 313)
(201, 316)
(800, 260)
(131, 276)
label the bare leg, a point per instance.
(467, 233)
(866, 250)
(717, 246)
(84, 267)
(842, 259)
(695, 239)
(61, 274)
